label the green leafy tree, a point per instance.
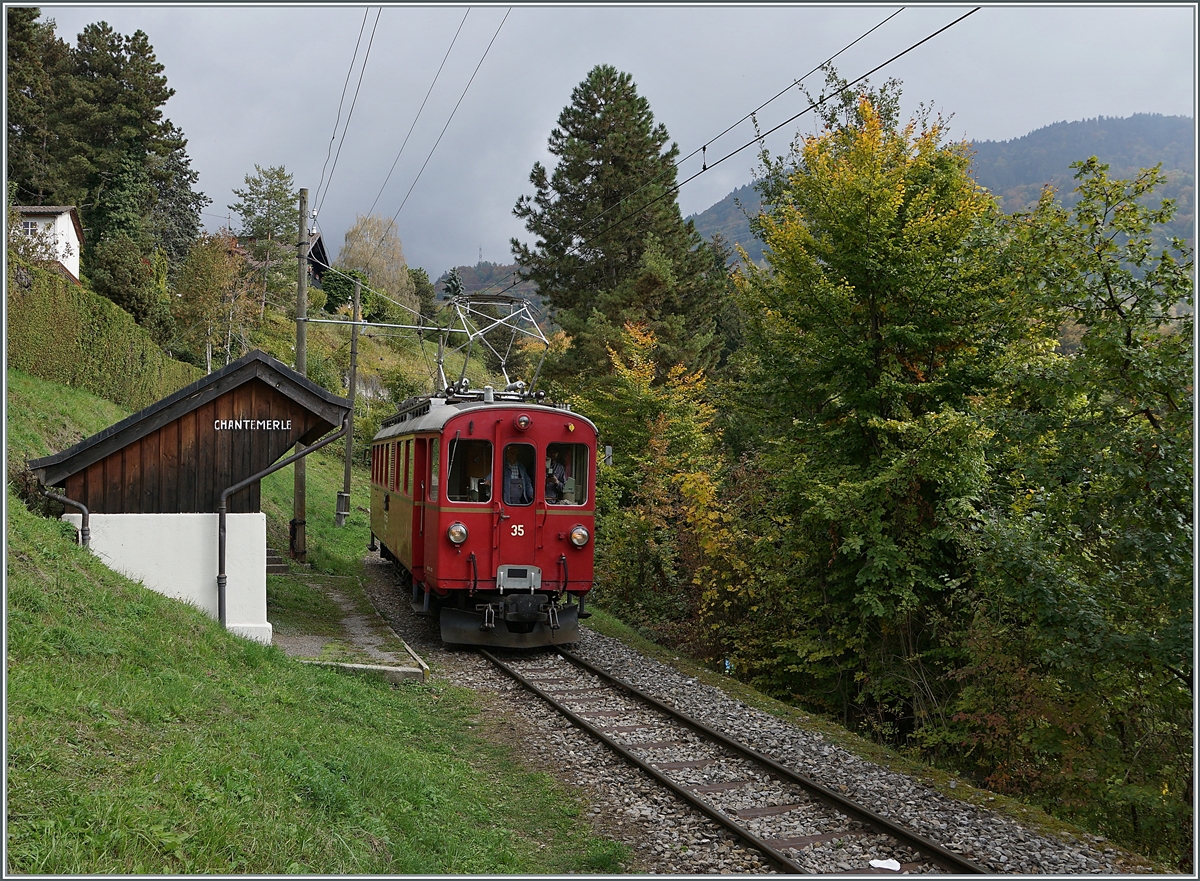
(120, 272)
(110, 115)
(216, 302)
(37, 63)
(123, 207)
(646, 549)
(339, 288)
(423, 291)
(174, 218)
(268, 208)
(610, 244)
(1082, 648)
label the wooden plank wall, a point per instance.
(185, 465)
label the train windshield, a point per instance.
(567, 474)
(469, 477)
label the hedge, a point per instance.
(61, 332)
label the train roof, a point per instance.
(432, 413)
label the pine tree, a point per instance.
(611, 246)
(36, 60)
(267, 207)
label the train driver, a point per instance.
(518, 488)
(556, 476)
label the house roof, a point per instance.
(52, 211)
(317, 257)
(329, 407)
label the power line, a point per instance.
(703, 149)
(446, 126)
(758, 139)
(418, 116)
(710, 141)
(350, 115)
(342, 100)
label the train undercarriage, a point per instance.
(501, 619)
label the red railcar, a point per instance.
(486, 502)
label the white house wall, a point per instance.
(68, 245)
(176, 555)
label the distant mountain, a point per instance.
(1015, 171)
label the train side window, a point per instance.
(435, 451)
(567, 474)
(516, 474)
(409, 477)
(469, 476)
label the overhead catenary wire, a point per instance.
(674, 189)
(703, 149)
(350, 115)
(392, 222)
(445, 58)
(342, 100)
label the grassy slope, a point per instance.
(143, 738)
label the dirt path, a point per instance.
(359, 636)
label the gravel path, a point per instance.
(664, 835)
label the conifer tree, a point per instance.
(610, 244)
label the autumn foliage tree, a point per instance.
(880, 318)
(372, 246)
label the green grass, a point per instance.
(143, 738)
(44, 418)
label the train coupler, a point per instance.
(489, 617)
(552, 616)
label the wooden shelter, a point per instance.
(179, 454)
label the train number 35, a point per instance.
(518, 529)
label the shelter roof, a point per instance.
(328, 407)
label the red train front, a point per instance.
(486, 500)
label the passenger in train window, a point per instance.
(518, 487)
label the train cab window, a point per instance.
(566, 474)
(516, 474)
(469, 475)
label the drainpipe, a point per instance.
(226, 493)
(85, 532)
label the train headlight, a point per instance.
(523, 422)
(457, 533)
(580, 536)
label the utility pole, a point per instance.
(298, 540)
(343, 500)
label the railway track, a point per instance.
(799, 825)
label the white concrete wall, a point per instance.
(176, 555)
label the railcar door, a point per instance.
(515, 490)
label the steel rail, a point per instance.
(942, 856)
(779, 859)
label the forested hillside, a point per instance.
(1015, 171)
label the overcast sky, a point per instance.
(262, 85)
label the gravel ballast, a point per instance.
(665, 835)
